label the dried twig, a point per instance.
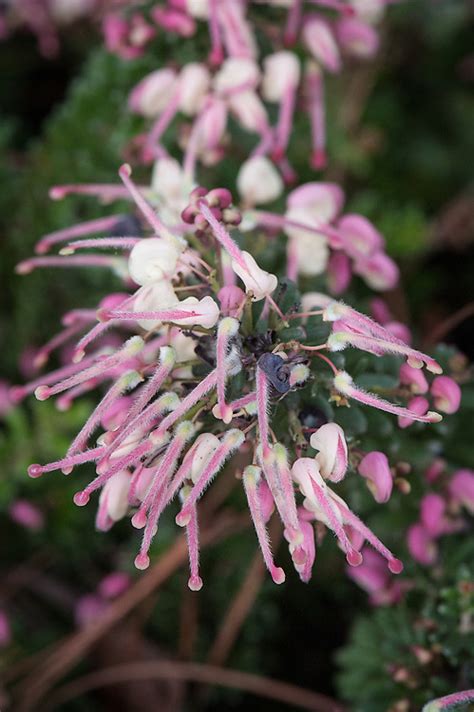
(73, 649)
(297, 697)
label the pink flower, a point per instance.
(356, 37)
(373, 577)
(26, 515)
(414, 378)
(379, 271)
(461, 488)
(418, 405)
(421, 545)
(374, 466)
(432, 514)
(360, 238)
(114, 585)
(319, 39)
(446, 394)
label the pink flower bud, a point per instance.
(319, 39)
(379, 271)
(374, 466)
(339, 273)
(323, 200)
(153, 93)
(5, 630)
(6, 401)
(414, 378)
(174, 21)
(249, 111)
(26, 515)
(461, 488)
(446, 394)
(258, 181)
(356, 37)
(421, 546)
(231, 299)
(360, 238)
(332, 456)
(88, 609)
(380, 311)
(418, 405)
(114, 584)
(434, 470)
(432, 511)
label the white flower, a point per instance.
(236, 72)
(153, 259)
(256, 280)
(258, 181)
(194, 84)
(281, 70)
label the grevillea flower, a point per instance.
(190, 357)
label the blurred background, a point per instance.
(401, 143)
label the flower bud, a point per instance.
(374, 466)
(446, 394)
(194, 84)
(418, 405)
(256, 280)
(379, 271)
(421, 546)
(360, 238)
(153, 93)
(281, 70)
(414, 378)
(153, 259)
(432, 514)
(332, 456)
(356, 37)
(319, 39)
(461, 488)
(258, 181)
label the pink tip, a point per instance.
(278, 575)
(319, 159)
(142, 561)
(57, 193)
(183, 518)
(139, 519)
(78, 355)
(395, 566)
(35, 470)
(195, 583)
(125, 171)
(24, 267)
(103, 315)
(17, 393)
(42, 393)
(354, 558)
(81, 499)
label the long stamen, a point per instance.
(232, 440)
(130, 349)
(36, 470)
(126, 382)
(111, 191)
(345, 385)
(154, 221)
(120, 243)
(251, 477)
(395, 565)
(85, 228)
(192, 536)
(221, 234)
(32, 263)
(226, 330)
(262, 391)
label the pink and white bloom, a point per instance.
(329, 440)
(375, 468)
(258, 181)
(446, 394)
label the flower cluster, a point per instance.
(193, 355)
(165, 432)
